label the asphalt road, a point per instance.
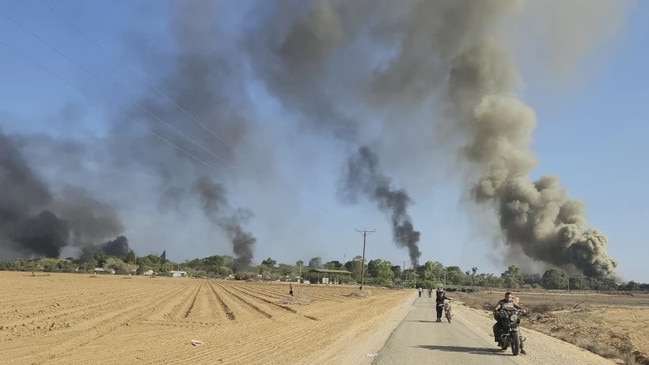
(419, 339)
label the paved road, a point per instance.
(419, 339)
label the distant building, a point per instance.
(178, 274)
(101, 270)
(325, 276)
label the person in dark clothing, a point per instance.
(440, 297)
(290, 289)
(509, 301)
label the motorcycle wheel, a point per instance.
(516, 344)
(504, 343)
(448, 316)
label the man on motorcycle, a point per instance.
(498, 327)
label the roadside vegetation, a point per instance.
(600, 322)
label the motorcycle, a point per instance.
(447, 311)
(510, 334)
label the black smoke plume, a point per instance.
(34, 222)
(329, 59)
(117, 247)
(216, 208)
(363, 176)
(196, 110)
(386, 68)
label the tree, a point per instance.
(355, 267)
(474, 270)
(262, 270)
(384, 273)
(396, 271)
(100, 258)
(270, 263)
(130, 257)
(430, 271)
(555, 279)
(116, 264)
(50, 264)
(454, 276)
(533, 279)
(334, 265)
(285, 270)
(512, 278)
(373, 267)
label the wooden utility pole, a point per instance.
(365, 232)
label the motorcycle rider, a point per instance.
(509, 301)
(440, 297)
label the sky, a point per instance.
(476, 134)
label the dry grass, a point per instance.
(612, 325)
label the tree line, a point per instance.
(431, 274)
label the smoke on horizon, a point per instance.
(216, 208)
(420, 80)
(363, 176)
(34, 222)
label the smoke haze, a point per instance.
(245, 91)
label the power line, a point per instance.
(126, 117)
(123, 64)
(69, 59)
(149, 129)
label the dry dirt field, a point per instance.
(609, 324)
(105, 319)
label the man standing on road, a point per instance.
(509, 302)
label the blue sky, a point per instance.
(590, 131)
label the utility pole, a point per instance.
(365, 232)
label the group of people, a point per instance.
(508, 301)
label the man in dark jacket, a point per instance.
(509, 301)
(440, 297)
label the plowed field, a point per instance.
(105, 319)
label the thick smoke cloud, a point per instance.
(196, 110)
(457, 51)
(367, 72)
(537, 216)
(304, 52)
(363, 176)
(117, 247)
(34, 222)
